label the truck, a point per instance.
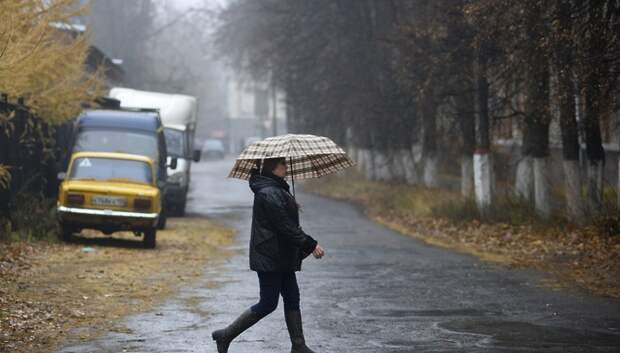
(178, 114)
(135, 131)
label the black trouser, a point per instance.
(272, 284)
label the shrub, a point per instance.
(33, 217)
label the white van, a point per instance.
(178, 114)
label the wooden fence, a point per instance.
(33, 150)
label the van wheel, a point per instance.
(161, 222)
(181, 208)
(65, 232)
(150, 238)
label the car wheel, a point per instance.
(65, 232)
(149, 240)
(161, 222)
(181, 209)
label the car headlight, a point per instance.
(177, 178)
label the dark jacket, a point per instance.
(277, 243)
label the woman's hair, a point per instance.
(269, 164)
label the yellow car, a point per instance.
(110, 192)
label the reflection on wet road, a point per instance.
(375, 291)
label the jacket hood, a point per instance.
(260, 181)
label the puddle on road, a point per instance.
(527, 335)
(400, 313)
(431, 345)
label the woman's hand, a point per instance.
(318, 252)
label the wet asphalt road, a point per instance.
(375, 291)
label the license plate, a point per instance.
(109, 201)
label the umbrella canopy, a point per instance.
(308, 156)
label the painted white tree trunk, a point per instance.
(353, 153)
(524, 181)
(366, 166)
(483, 181)
(572, 185)
(542, 194)
(595, 186)
(431, 172)
(397, 166)
(378, 163)
(411, 175)
(382, 168)
(361, 160)
(467, 176)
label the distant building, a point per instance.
(250, 111)
(97, 59)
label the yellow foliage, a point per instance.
(5, 177)
(41, 63)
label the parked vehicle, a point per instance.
(179, 178)
(126, 131)
(213, 149)
(178, 114)
(110, 192)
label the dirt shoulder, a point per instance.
(53, 292)
(576, 256)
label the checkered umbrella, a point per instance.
(308, 156)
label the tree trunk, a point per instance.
(483, 179)
(524, 181)
(382, 168)
(360, 163)
(467, 176)
(594, 148)
(429, 138)
(537, 117)
(563, 59)
(595, 104)
(572, 184)
(535, 152)
(398, 166)
(595, 185)
(542, 200)
(467, 122)
(411, 175)
(365, 162)
(431, 172)
(370, 164)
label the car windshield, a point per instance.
(175, 142)
(122, 141)
(111, 169)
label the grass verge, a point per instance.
(510, 235)
(53, 292)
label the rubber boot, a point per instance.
(295, 330)
(224, 336)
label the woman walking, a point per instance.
(277, 247)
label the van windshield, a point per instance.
(175, 142)
(123, 141)
(112, 169)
